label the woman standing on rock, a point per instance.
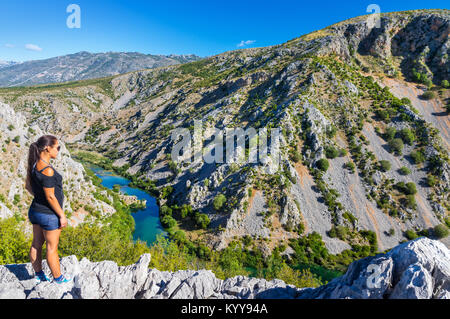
(45, 213)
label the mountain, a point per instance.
(83, 65)
(363, 114)
(419, 269)
(4, 64)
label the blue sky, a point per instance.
(31, 30)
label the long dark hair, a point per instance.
(35, 151)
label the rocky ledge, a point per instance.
(416, 269)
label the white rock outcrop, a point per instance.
(417, 269)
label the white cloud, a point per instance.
(244, 43)
(9, 45)
(32, 47)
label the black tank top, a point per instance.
(38, 181)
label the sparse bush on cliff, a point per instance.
(218, 201)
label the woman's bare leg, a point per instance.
(36, 248)
(52, 239)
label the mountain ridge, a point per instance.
(84, 65)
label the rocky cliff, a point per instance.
(419, 269)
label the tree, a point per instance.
(219, 200)
(410, 188)
(185, 210)
(406, 101)
(411, 201)
(331, 152)
(202, 220)
(428, 95)
(350, 166)
(410, 234)
(407, 136)
(404, 170)
(168, 221)
(390, 132)
(431, 180)
(440, 231)
(296, 156)
(166, 210)
(383, 115)
(418, 157)
(396, 146)
(385, 165)
(323, 164)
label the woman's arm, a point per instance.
(53, 201)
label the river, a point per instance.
(147, 219)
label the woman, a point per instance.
(45, 212)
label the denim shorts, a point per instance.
(46, 221)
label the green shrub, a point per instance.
(331, 152)
(323, 164)
(431, 180)
(14, 244)
(384, 165)
(383, 115)
(407, 136)
(396, 146)
(185, 210)
(410, 188)
(218, 201)
(296, 156)
(418, 157)
(410, 234)
(331, 131)
(165, 210)
(390, 132)
(168, 221)
(445, 84)
(407, 189)
(100, 243)
(202, 220)
(440, 231)
(428, 95)
(411, 201)
(447, 221)
(350, 166)
(404, 170)
(405, 101)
